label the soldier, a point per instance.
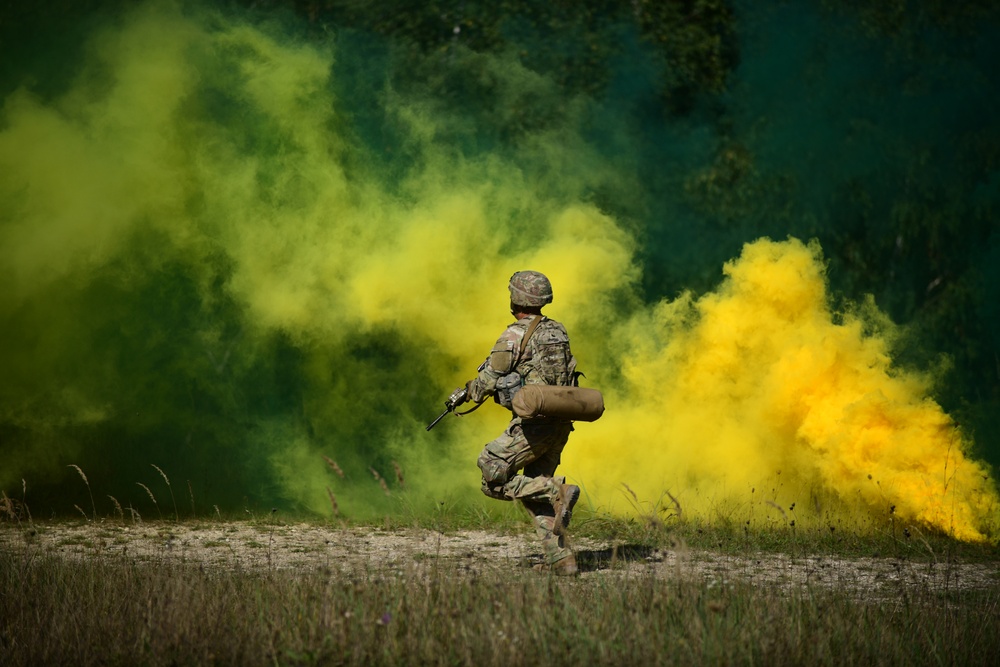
(520, 464)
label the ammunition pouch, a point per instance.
(508, 387)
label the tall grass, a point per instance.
(117, 611)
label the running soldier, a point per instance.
(520, 464)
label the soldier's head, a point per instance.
(529, 291)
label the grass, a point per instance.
(106, 611)
(94, 605)
(98, 609)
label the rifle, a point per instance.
(459, 396)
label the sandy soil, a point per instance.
(237, 545)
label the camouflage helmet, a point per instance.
(530, 288)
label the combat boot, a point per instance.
(563, 506)
(565, 567)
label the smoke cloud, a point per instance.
(758, 396)
(229, 251)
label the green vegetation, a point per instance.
(627, 608)
(657, 588)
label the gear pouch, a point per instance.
(507, 388)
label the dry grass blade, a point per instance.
(399, 475)
(79, 470)
(148, 492)
(677, 505)
(333, 466)
(93, 506)
(7, 506)
(151, 497)
(631, 492)
(169, 488)
(162, 474)
(779, 508)
(381, 482)
(24, 498)
(118, 507)
(333, 502)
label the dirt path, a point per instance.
(235, 545)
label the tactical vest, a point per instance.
(544, 359)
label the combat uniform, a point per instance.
(520, 464)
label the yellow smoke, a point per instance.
(757, 391)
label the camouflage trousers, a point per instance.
(519, 465)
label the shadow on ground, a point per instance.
(602, 559)
(591, 560)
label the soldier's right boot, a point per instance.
(565, 567)
(559, 557)
(563, 506)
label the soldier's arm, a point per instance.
(500, 362)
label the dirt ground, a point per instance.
(237, 545)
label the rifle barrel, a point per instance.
(440, 417)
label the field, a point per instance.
(276, 590)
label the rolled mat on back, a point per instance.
(541, 400)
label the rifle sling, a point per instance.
(472, 409)
(537, 319)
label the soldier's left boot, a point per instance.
(563, 506)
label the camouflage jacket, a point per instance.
(547, 359)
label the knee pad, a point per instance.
(495, 470)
